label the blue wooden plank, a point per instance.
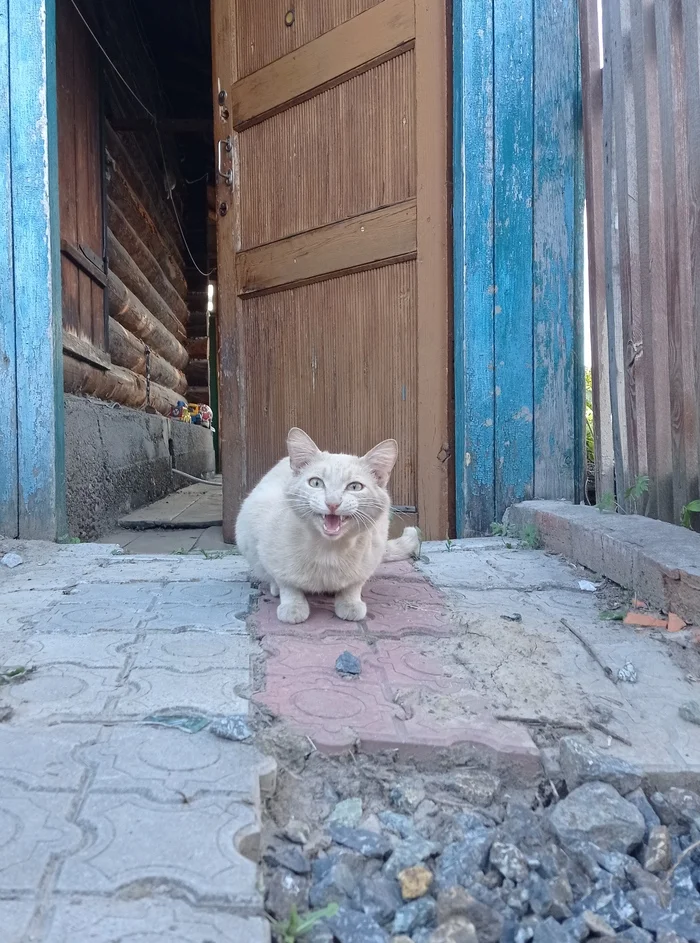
(473, 264)
(557, 136)
(513, 338)
(9, 521)
(36, 247)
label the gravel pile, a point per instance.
(604, 861)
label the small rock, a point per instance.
(379, 898)
(649, 883)
(11, 560)
(458, 930)
(682, 807)
(413, 916)
(562, 897)
(406, 798)
(456, 902)
(289, 857)
(615, 863)
(400, 824)
(426, 810)
(348, 812)
(415, 882)
(234, 727)
(587, 586)
(284, 891)
(635, 935)
(348, 664)
(296, 832)
(401, 939)
(596, 812)
(638, 799)
(581, 764)
(657, 855)
(669, 936)
(690, 711)
(549, 931)
(476, 787)
(6, 712)
(628, 673)
(509, 860)
(367, 843)
(576, 928)
(336, 878)
(371, 823)
(596, 924)
(409, 852)
(351, 927)
(460, 860)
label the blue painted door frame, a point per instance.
(32, 468)
(518, 228)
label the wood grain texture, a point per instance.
(592, 102)
(267, 37)
(558, 373)
(36, 261)
(128, 271)
(514, 145)
(116, 385)
(127, 350)
(434, 432)
(473, 205)
(300, 367)
(126, 308)
(356, 243)
(352, 47)
(9, 509)
(652, 260)
(367, 125)
(81, 349)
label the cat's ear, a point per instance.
(301, 448)
(381, 459)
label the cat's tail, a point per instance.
(405, 547)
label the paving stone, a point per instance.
(135, 843)
(47, 760)
(99, 650)
(91, 920)
(89, 608)
(497, 569)
(63, 691)
(34, 827)
(14, 920)
(203, 605)
(164, 764)
(156, 690)
(193, 651)
(24, 609)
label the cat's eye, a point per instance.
(355, 486)
(315, 483)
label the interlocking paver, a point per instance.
(154, 690)
(193, 651)
(92, 920)
(166, 764)
(34, 827)
(44, 759)
(62, 691)
(99, 650)
(190, 846)
(14, 920)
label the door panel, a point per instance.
(333, 238)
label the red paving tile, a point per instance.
(383, 708)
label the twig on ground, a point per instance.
(610, 733)
(591, 651)
(542, 721)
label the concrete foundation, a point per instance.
(118, 459)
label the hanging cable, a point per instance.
(157, 130)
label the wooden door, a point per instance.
(331, 130)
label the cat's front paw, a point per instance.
(293, 612)
(352, 610)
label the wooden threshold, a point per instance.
(361, 43)
(366, 241)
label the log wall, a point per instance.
(125, 291)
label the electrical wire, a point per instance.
(157, 130)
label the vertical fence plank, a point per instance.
(513, 227)
(592, 94)
(9, 521)
(612, 270)
(473, 264)
(691, 33)
(558, 364)
(36, 268)
(673, 235)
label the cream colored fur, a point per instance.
(319, 523)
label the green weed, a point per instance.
(295, 927)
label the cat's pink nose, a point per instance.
(332, 508)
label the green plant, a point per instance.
(637, 491)
(294, 927)
(693, 507)
(530, 537)
(590, 441)
(448, 543)
(498, 530)
(606, 502)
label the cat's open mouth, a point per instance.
(333, 524)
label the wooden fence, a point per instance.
(642, 146)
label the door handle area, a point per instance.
(228, 147)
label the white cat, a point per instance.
(319, 523)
